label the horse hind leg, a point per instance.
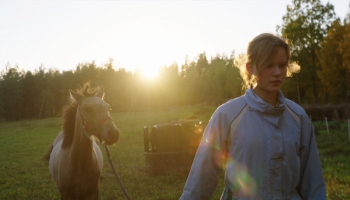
(46, 157)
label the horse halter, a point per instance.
(88, 127)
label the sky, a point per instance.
(136, 34)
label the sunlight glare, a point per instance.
(149, 73)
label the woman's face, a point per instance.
(272, 75)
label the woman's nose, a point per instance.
(276, 71)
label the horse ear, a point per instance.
(101, 93)
(75, 96)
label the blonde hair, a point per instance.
(258, 52)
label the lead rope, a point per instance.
(115, 173)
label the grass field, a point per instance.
(23, 175)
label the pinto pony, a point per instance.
(75, 159)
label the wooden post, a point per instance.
(154, 138)
(145, 139)
(327, 125)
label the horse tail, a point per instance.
(46, 157)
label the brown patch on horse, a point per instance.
(69, 113)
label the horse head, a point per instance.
(93, 112)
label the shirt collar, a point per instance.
(271, 113)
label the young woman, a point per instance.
(264, 142)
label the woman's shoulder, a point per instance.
(232, 105)
(296, 108)
(227, 112)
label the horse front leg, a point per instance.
(93, 194)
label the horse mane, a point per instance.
(69, 111)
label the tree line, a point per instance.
(43, 93)
(320, 43)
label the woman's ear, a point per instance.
(249, 68)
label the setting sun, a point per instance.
(149, 73)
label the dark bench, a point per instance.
(172, 146)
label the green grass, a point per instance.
(23, 175)
(334, 150)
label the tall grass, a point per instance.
(23, 175)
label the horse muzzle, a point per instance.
(110, 135)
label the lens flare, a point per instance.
(241, 181)
(238, 177)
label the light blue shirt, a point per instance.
(270, 153)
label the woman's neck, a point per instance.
(269, 97)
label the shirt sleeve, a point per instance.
(311, 184)
(208, 162)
